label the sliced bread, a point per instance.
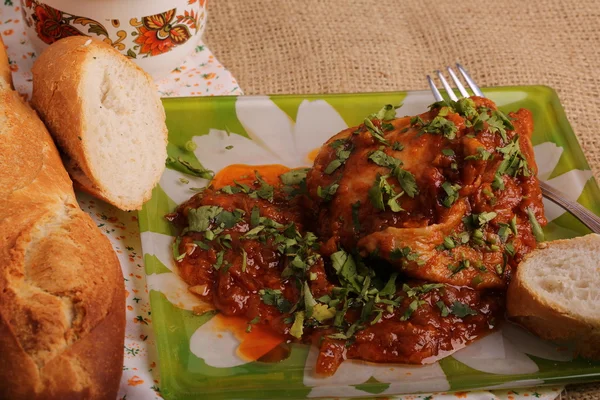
(555, 293)
(106, 116)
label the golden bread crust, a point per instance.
(62, 300)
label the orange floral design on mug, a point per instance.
(158, 33)
(51, 25)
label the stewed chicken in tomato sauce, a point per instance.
(396, 246)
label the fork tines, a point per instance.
(461, 88)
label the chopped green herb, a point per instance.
(244, 260)
(390, 287)
(376, 133)
(274, 297)
(513, 224)
(442, 126)
(449, 243)
(464, 264)
(265, 191)
(412, 307)
(228, 147)
(482, 154)
(219, 262)
(397, 146)
(328, 191)
(451, 193)
(476, 280)
(445, 311)
(387, 113)
(199, 172)
(254, 321)
(199, 219)
(407, 181)
(535, 225)
(297, 328)
(499, 269)
(175, 249)
(513, 163)
(294, 176)
(510, 249)
(462, 310)
(343, 149)
(448, 152)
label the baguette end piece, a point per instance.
(555, 293)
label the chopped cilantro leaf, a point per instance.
(244, 260)
(202, 245)
(390, 287)
(254, 321)
(442, 126)
(335, 164)
(297, 328)
(228, 219)
(294, 176)
(451, 193)
(309, 301)
(397, 146)
(219, 262)
(462, 310)
(535, 225)
(255, 216)
(445, 311)
(343, 149)
(328, 191)
(199, 172)
(387, 113)
(383, 160)
(376, 133)
(175, 249)
(412, 307)
(449, 243)
(199, 219)
(407, 181)
(482, 154)
(265, 191)
(513, 163)
(448, 152)
(274, 297)
(509, 248)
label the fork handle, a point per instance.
(584, 215)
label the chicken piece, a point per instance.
(442, 319)
(447, 196)
(233, 252)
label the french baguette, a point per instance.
(62, 299)
(106, 116)
(5, 73)
(555, 293)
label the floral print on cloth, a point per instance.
(200, 75)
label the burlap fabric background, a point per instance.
(326, 46)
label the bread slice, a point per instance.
(555, 293)
(106, 116)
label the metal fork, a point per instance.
(588, 218)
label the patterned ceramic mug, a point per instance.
(157, 34)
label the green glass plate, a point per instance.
(197, 360)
